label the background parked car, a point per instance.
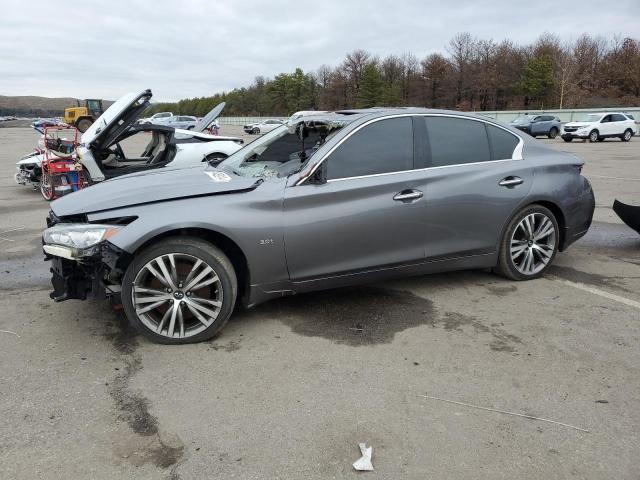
(262, 127)
(536, 125)
(155, 117)
(598, 126)
(184, 122)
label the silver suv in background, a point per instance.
(536, 125)
(324, 201)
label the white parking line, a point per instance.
(615, 178)
(12, 230)
(601, 293)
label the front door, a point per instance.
(369, 213)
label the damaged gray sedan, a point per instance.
(325, 201)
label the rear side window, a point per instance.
(456, 141)
(502, 143)
(381, 147)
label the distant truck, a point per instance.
(82, 116)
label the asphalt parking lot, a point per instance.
(291, 387)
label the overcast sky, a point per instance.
(193, 48)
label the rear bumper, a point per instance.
(580, 216)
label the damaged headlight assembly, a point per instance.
(75, 241)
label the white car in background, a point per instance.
(597, 126)
(102, 155)
(262, 127)
(155, 117)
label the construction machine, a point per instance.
(82, 116)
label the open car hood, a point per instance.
(151, 187)
(209, 118)
(116, 119)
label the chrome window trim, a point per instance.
(516, 155)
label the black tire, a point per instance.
(83, 124)
(190, 247)
(568, 139)
(255, 131)
(626, 136)
(553, 133)
(600, 139)
(594, 135)
(506, 265)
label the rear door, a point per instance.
(368, 215)
(473, 182)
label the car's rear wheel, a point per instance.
(181, 290)
(553, 133)
(594, 135)
(83, 124)
(626, 136)
(529, 244)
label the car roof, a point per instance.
(351, 115)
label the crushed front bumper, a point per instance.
(98, 276)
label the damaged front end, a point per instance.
(84, 264)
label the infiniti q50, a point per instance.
(324, 201)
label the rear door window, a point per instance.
(384, 146)
(502, 143)
(456, 141)
(616, 117)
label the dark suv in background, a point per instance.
(536, 125)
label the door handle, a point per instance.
(510, 182)
(408, 195)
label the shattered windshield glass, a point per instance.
(282, 151)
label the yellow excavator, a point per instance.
(82, 116)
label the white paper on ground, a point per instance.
(364, 462)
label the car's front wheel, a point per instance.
(529, 244)
(568, 139)
(626, 136)
(594, 135)
(255, 131)
(180, 290)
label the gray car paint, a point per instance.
(348, 231)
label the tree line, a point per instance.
(473, 74)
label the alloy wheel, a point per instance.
(533, 243)
(627, 135)
(177, 295)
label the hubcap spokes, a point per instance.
(177, 295)
(533, 243)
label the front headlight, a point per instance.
(78, 238)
